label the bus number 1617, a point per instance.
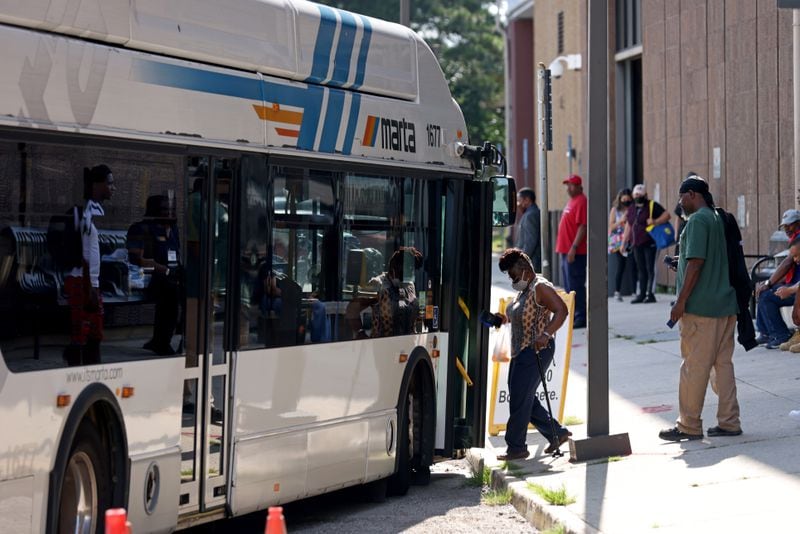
(434, 135)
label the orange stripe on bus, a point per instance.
(278, 115)
(288, 133)
(369, 130)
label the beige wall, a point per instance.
(569, 91)
(718, 73)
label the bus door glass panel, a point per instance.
(220, 322)
(297, 298)
(195, 320)
(422, 231)
(372, 233)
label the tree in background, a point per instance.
(464, 36)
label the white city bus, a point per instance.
(274, 163)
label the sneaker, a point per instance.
(561, 440)
(717, 431)
(773, 345)
(762, 339)
(650, 298)
(673, 434)
(638, 300)
(617, 296)
(508, 456)
(794, 340)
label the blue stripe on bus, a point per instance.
(333, 120)
(347, 36)
(375, 131)
(361, 67)
(180, 77)
(192, 79)
(352, 122)
(322, 48)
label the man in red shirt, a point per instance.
(571, 246)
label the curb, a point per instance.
(534, 509)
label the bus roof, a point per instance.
(382, 94)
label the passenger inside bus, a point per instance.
(393, 301)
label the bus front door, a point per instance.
(204, 441)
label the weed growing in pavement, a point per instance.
(558, 528)
(572, 420)
(646, 341)
(558, 497)
(477, 480)
(512, 469)
(497, 497)
(623, 336)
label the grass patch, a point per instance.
(497, 498)
(558, 497)
(477, 480)
(572, 420)
(558, 528)
(646, 341)
(623, 336)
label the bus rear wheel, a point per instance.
(85, 488)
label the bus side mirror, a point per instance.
(504, 203)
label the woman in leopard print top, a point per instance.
(536, 314)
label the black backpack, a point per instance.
(64, 239)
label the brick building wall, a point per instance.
(717, 74)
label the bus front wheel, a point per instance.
(85, 487)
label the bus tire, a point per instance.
(376, 491)
(85, 488)
(422, 475)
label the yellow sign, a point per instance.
(556, 375)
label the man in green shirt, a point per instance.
(706, 308)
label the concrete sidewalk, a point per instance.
(747, 483)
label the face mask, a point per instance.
(521, 284)
(639, 200)
(626, 203)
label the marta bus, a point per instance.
(290, 261)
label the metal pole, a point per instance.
(543, 201)
(796, 83)
(597, 332)
(405, 12)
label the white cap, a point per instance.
(789, 217)
(639, 190)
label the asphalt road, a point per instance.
(447, 505)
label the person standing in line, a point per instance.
(529, 238)
(706, 309)
(82, 284)
(643, 214)
(616, 231)
(571, 246)
(536, 314)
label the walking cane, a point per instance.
(554, 442)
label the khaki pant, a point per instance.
(707, 352)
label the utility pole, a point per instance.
(598, 444)
(543, 92)
(405, 12)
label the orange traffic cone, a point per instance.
(117, 521)
(275, 521)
